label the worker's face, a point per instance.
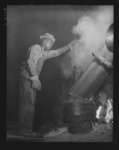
(47, 43)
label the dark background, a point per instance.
(25, 24)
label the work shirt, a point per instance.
(37, 56)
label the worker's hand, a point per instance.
(72, 44)
(36, 84)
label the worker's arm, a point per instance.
(55, 53)
(58, 52)
(103, 60)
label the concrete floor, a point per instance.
(100, 133)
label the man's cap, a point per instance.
(48, 35)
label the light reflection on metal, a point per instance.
(110, 38)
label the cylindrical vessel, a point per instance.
(77, 111)
(90, 80)
(79, 115)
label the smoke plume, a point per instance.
(91, 31)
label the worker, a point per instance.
(30, 82)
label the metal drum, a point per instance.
(77, 111)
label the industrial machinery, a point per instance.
(78, 110)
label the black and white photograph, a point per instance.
(59, 73)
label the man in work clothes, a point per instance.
(30, 82)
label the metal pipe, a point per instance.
(90, 81)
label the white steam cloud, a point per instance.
(91, 30)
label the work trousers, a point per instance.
(26, 102)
